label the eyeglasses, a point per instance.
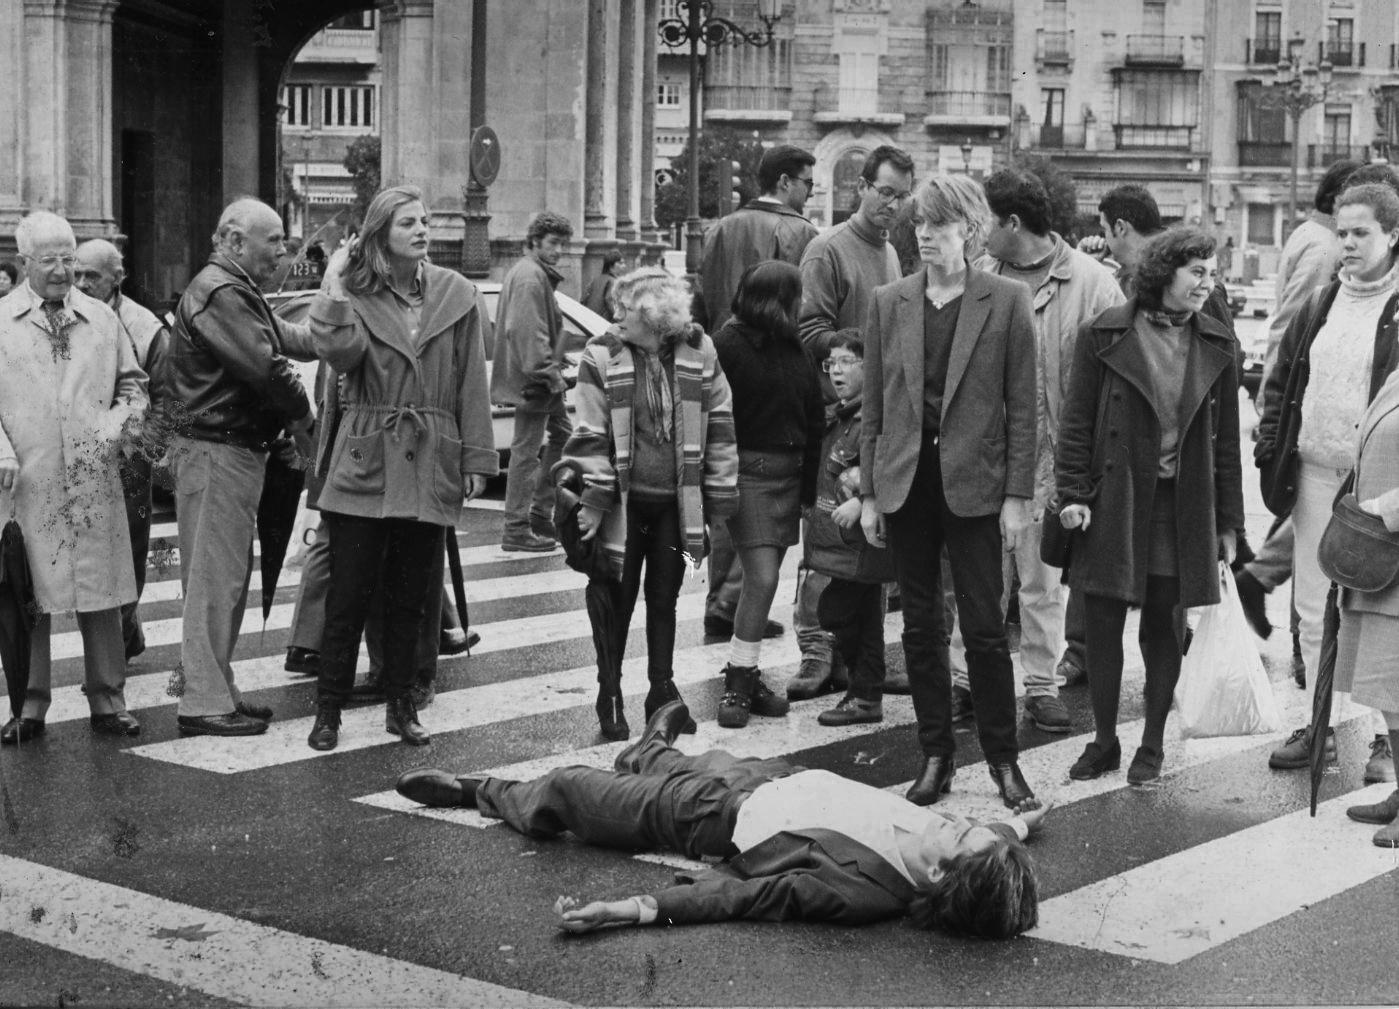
(807, 182)
(888, 194)
(842, 363)
(49, 262)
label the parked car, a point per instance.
(1253, 335)
(580, 325)
(1238, 298)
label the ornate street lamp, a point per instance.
(698, 23)
(1296, 87)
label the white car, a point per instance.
(580, 325)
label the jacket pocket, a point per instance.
(447, 484)
(359, 466)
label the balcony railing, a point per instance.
(1156, 50)
(1325, 155)
(1055, 48)
(1130, 135)
(1265, 51)
(1343, 54)
(1264, 154)
(751, 102)
(836, 105)
(970, 105)
(1065, 137)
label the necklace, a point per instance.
(943, 298)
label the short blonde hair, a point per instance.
(944, 198)
(662, 300)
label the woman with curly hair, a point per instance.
(654, 441)
(1148, 469)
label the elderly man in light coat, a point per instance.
(70, 393)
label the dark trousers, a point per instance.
(653, 540)
(392, 556)
(1160, 636)
(854, 613)
(684, 804)
(136, 489)
(917, 533)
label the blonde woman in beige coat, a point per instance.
(411, 438)
(70, 392)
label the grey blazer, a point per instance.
(987, 431)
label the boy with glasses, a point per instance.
(850, 607)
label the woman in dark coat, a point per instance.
(779, 419)
(1148, 470)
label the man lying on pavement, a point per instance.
(798, 844)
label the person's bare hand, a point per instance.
(589, 519)
(872, 522)
(1015, 519)
(1095, 246)
(475, 486)
(847, 514)
(9, 473)
(1035, 817)
(305, 443)
(1076, 516)
(577, 918)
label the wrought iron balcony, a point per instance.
(1344, 54)
(1062, 137)
(968, 108)
(1132, 135)
(1264, 51)
(837, 106)
(747, 103)
(1156, 50)
(1265, 154)
(1325, 155)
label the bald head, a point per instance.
(99, 272)
(250, 234)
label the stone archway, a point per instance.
(834, 157)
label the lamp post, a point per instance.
(698, 23)
(1296, 87)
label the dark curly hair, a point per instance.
(988, 894)
(1163, 255)
(547, 222)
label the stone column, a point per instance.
(650, 45)
(595, 223)
(626, 125)
(425, 121)
(64, 162)
(242, 139)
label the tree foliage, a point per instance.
(1063, 193)
(362, 162)
(717, 147)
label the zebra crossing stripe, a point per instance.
(170, 631)
(285, 741)
(168, 590)
(222, 956)
(265, 672)
(973, 792)
(1180, 906)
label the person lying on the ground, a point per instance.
(799, 844)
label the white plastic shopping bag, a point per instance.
(303, 534)
(1223, 688)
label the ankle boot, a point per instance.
(325, 734)
(612, 723)
(401, 719)
(738, 696)
(662, 692)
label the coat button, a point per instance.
(1107, 466)
(409, 455)
(1112, 432)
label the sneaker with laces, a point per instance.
(1297, 750)
(812, 679)
(1380, 766)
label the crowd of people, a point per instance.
(1006, 418)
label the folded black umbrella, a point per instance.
(1325, 681)
(18, 613)
(276, 515)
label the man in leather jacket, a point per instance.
(230, 392)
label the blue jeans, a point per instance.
(529, 490)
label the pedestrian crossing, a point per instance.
(1168, 910)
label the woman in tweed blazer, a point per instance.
(654, 440)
